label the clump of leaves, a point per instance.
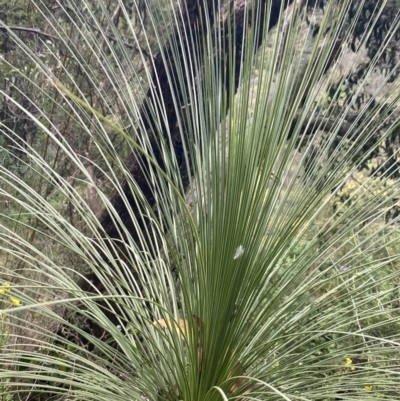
(199, 279)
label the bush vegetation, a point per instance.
(189, 207)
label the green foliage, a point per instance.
(230, 271)
(6, 299)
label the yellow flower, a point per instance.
(5, 288)
(368, 388)
(15, 301)
(349, 364)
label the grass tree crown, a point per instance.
(180, 217)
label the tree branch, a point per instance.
(36, 31)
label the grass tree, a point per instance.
(215, 261)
